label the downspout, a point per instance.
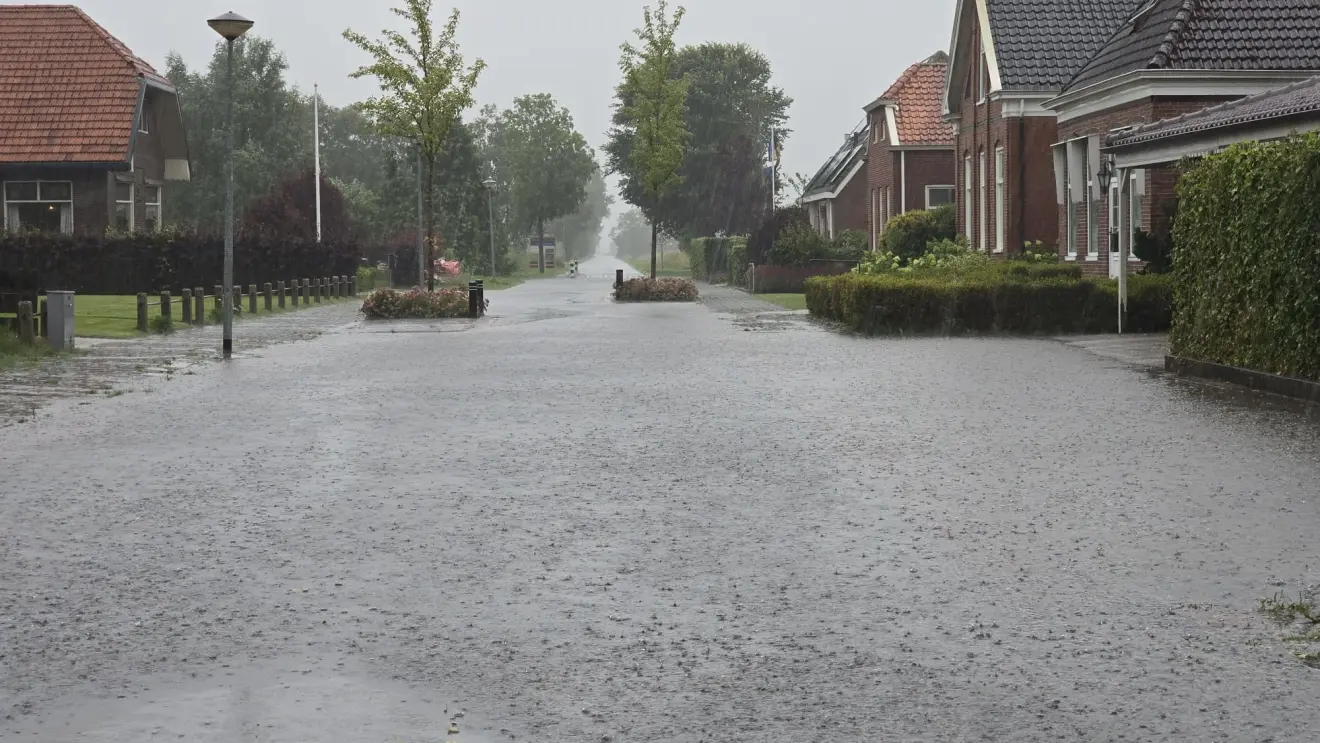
(1022, 175)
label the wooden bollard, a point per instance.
(26, 333)
(238, 300)
(199, 306)
(266, 290)
(219, 298)
(165, 310)
(334, 287)
(316, 290)
(142, 313)
(252, 298)
(352, 286)
(279, 289)
(306, 291)
(186, 305)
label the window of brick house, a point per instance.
(153, 205)
(124, 207)
(44, 206)
(968, 219)
(982, 242)
(1000, 199)
(1092, 213)
(938, 196)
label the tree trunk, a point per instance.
(430, 223)
(655, 235)
(540, 244)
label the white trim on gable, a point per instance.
(991, 56)
(891, 121)
(821, 196)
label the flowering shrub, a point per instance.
(388, 304)
(939, 255)
(1034, 251)
(656, 290)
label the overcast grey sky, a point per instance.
(831, 56)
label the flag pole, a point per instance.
(316, 138)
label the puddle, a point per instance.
(321, 704)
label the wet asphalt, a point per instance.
(580, 521)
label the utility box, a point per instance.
(59, 320)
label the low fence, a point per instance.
(192, 302)
(793, 279)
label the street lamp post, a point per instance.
(490, 208)
(231, 26)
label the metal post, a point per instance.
(490, 208)
(227, 347)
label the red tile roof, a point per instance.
(918, 95)
(68, 89)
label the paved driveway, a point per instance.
(581, 521)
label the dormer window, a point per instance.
(880, 131)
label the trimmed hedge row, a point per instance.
(709, 257)
(926, 305)
(150, 262)
(1245, 263)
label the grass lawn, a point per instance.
(787, 301)
(12, 351)
(115, 316)
(673, 265)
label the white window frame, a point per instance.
(1001, 167)
(1071, 217)
(159, 203)
(1135, 196)
(143, 126)
(66, 226)
(982, 227)
(982, 75)
(889, 203)
(132, 196)
(968, 215)
(953, 193)
(1092, 217)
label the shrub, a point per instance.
(907, 235)
(986, 302)
(763, 239)
(388, 304)
(1245, 264)
(161, 324)
(1035, 251)
(738, 261)
(849, 245)
(796, 245)
(696, 253)
(656, 290)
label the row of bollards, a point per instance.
(476, 298)
(193, 302)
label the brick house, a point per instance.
(89, 133)
(1007, 57)
(1165, 59)
(910, 157)
(835, 198)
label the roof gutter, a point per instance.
(1107, 87)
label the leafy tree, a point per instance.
(631, 234)
(548, 163)
(732, 108)
(424, 87)
(580, 232)
(288, 211)
(649, 125)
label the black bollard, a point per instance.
(481, 296)
(473, 300)
(618, 278)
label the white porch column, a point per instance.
(1124, 240)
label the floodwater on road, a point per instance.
(575, 520)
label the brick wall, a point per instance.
(927, 168)
(850, 206)
(1030, 209)
(879, 177)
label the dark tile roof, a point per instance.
(68, 89)
(836, 169)
(1211, 35)
(1291, 100)
(1041, 44)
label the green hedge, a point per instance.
(904, 304)
(738, 261)
(1246, 265)
(710, 258)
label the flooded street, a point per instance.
(581, 521)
